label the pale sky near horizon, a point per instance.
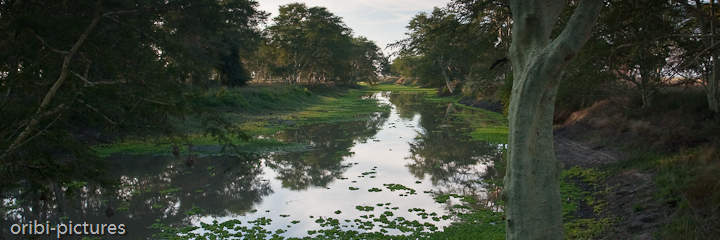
(382, 21)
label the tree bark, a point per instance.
(532, 181)
(444, 74)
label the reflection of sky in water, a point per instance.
(415, 142)
(388, 155)
(388, 150)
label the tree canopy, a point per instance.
(79, 72)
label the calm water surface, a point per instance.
(418, 144)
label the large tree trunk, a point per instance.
(532, 192)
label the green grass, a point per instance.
(572, 194)
(256, 110)
(398, 88)
(488, 126)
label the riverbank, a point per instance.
(614, 186)
(254, 112)
(659, 166)
(436, 133)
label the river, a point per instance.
(385, 166)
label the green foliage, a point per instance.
(451, 44)
(312, 43)
(286, 104)
(506, 93)
(256, 99)
(84, 72)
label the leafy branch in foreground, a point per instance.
(83, 72)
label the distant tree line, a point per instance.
(312, 45)
(639, 47)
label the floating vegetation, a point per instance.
(394, 187)
(169, 191)
(374, 190)
(365, 208)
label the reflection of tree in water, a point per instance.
(455, 163)
(407, 105)
(158, 187)
(331, 143)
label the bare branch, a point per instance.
(39, 133)
(46, 44)
(697, 57)
(153, 101)
(15, 146)
(97, 111)
(83, 78)
(107, 14)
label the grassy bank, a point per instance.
(671, 164)
(255, 111)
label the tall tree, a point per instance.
(306, 36)
(366, 62)
(532, 188)
(456, 44)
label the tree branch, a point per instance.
(61, 79)
(134, 27)
(555, 7)
(46, 44)
(83, 78)
(699, 12)
(153, 101)
(97, 111)
(576, 33)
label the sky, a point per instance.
(382, 21)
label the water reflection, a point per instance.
(419, 144)
(331, 143)
(150, 188)
(442, 150)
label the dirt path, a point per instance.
(630, 194)
(578, 153)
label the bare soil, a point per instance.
(629, 194)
